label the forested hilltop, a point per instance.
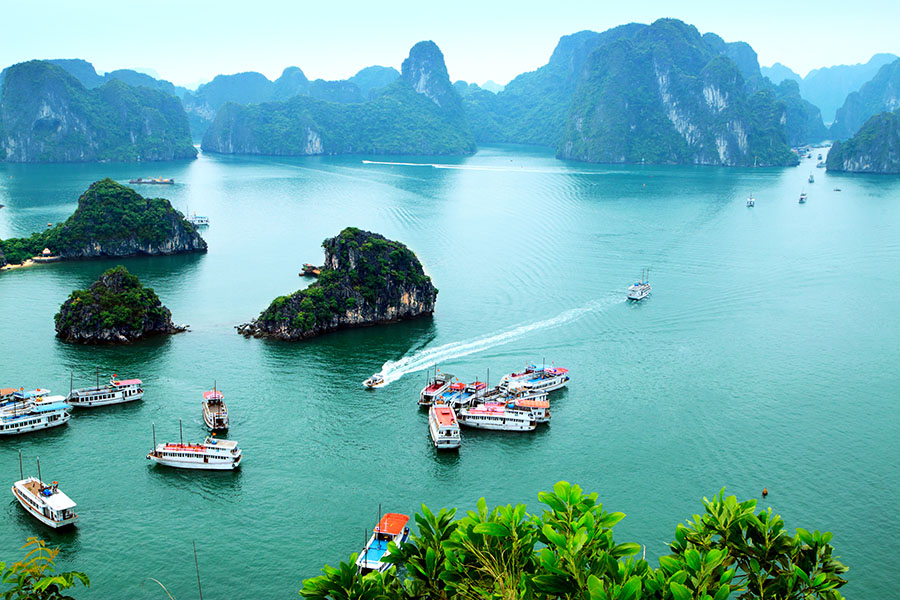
(47, 115)
(874, 149)
(419, 113)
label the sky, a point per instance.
(188, 41)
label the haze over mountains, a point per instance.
(658, 93)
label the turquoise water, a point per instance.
(767, 356)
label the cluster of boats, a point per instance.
(23, 412)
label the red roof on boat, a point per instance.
(445, 416)
(533, 403)
(213, 395)
(557, 370)
(392, 523)
(478, 385)
(458, 386)
(128, 382)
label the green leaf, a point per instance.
(818, 580)
(723, 593)
(595, 588)
(679, 591)
(610, 519)
(495, 529)
(669, 564)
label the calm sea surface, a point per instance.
(767, 356)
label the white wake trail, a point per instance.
(423, 359)
(491, 168)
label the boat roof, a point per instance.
(445, 416)
(478, 385)
(556, 370)
(128, 382)
(533, 403)
(493, 408)
(32, 393)
(213, 395)
(458, 386)
(392, 523)
(7, 391)
(51, 403)
(57, 501)
(220, 443)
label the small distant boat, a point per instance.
(641, 288)
(115, 392)
(751, 201)
(820, 157)
(152, 180)
(837, 189)
(46, 503)
(443, 427)
(821, 165)
(434, 388)
(496, 416)
(212, 455)
(215, 413)
(811, 178)
(802, 198)
(391, 528)
(375, 381)
(809, 155)
(198, 220)
(310, 270)
(34, 414)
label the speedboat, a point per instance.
(212, 455)
(376, 380)
(811, 178)
(391, 528)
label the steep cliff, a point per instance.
(112, 220)
(664, 95)
(366, 280)
(874, 149)
(115, 309)
(881, 93)
(374, 79)
(46, 115)
(420, 113)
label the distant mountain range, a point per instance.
(828, 87)
(658, 93)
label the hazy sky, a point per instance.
(190, 40)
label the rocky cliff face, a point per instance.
(420, 113)
(880, 94)
(46, 115)
(874, 149)
(366, 280)
(664, 95)
(115, 309)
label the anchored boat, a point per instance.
(802, 198)
(534, 379)
(212, 455)
(46, 503)
(435, 387)
(198, 220)
(391, 528)
(751, 201)
(115, 392)
(641, 288)
(443, 427)
(215, 413)
(496, 416)
(34, 414)
(152, 180)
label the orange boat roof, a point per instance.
(7, 391)
(392, 523)
(213, 395)
(533, 403)
(445, 416)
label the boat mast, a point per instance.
(154, 437)
(197, 564)
(181, 432)
(71, 382)
(41, 479)
(98, 376)
(21, 471)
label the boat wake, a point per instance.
(425, 358)
(554, 170)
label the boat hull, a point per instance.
(118, 399)
(442, 442)
(40, 517)
(44, 423)
(196, 464)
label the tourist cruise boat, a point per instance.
(115, 392)
(18, 401)
(153, 180)
(376, 380)
(534, 379)
(443, 427)
(536, 404)
(436, 386)
(496, 416)
(640, 289)
(463, 394)
(39, 413)
(213, 455)
(811, 178)
(215, 413)
(198, 220)
(391, 528)
(46, 503)
(751, 201)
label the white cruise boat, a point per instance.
(213, 454)
(443, 427)
(536, 404)
(46, 503)
(115, 392)
(496, 416)
(198, 220)
(534, 379)
(463, 394)
(751, 201)
(640, 289)
(436, 386)
(215, 413)
(391, 528)
(18, 401)
(38, 413)
(802, 198)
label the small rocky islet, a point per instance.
(117, 308)
(366, 279)
(112, 220)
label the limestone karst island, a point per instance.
(662, 364)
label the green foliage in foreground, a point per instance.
(568, 552)
(32, 578)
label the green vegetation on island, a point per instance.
(111, 220)
(116, 308)
(874, 149)
(47, 115)
(568, 552)
(366, 279)
(880, 94)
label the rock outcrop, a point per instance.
(880, 94)
(115, 309)
(366, 280)
(47, 115)
(874, 149)
(112, 220)
(420, 113)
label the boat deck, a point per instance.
(376, 551)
